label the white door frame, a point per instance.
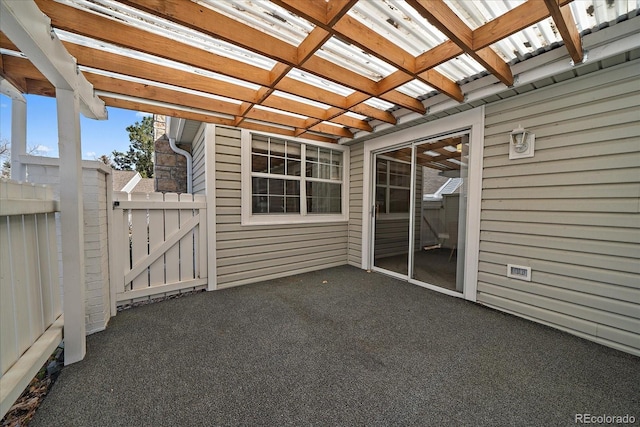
(472, 120)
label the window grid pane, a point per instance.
(281, 159)
(393, 184)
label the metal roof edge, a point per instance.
(599, 45)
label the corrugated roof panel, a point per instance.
(158, 84)
(415, 88)
(460, 68)
(478, 13)
(107, 47)
(264, 16)
(286, 113)
(162, 27)
(319, 82)
(353, 58)
(355, 115)
(291, 97)
(399, 23)
(592, 13)
(379, 103)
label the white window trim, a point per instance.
(472, 120)
(247, 216)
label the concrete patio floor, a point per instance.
(336, 347)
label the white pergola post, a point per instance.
(72, 224)
(18, 129)
(30, 30)
(18, 139)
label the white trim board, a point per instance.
(473, 120)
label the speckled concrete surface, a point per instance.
(360, 349)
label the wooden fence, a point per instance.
(30, 310)
(160, 243)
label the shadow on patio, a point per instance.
(337, 347)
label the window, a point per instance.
(393, 186)
(292, 181)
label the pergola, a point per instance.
(327, 70)
(318, 69)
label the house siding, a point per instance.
(571, 211)
(249, 253)
(198, 164)
(356, 169)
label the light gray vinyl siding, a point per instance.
(356, 169)
(571, 212)
(198, 156)
(247, 254)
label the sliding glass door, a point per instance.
(419, 217)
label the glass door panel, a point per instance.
(391, 210)
(440, 213)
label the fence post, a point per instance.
(117, 250)
(72, 225)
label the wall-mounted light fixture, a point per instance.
(521, 143)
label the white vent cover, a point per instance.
(519, 272)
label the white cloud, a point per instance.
(42, 149)
(90, 154)
(143, 114)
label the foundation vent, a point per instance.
(519, 272)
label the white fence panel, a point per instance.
(30, 307)
(159, 243)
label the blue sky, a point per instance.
(98, 136)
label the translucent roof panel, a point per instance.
(590, 14)
(460, 68)
(399, 23)
(319, 82)
(415, 88)
(478, 13)
(165, 28)
(355, 59)
(106, 47)
(378, 103)
(264, 16)
(296, 98)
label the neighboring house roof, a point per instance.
(145, 185)
(122, 178)
(452, 186)
(132, 182)
(432, 181)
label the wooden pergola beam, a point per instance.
(99, 28)
(220, 26)
(443, 18)
(567, 27)
(26, 26)
(354, 32)
(517, 19)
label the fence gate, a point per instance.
(160, 244)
